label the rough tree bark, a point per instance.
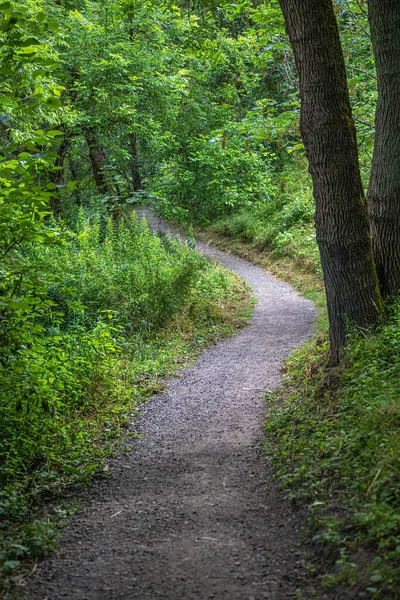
(136, 179)
(329, 138)
(384, 186)
(97, 160)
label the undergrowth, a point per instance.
(278, 235)
(333, 438)
(282, 225)
(123, 309)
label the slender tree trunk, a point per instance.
(75, 177)
(384, 186)
(330, 141)
(57, 176)
(136, 179)
(97, 160)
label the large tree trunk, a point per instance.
(330, 141)
(384, 186)
(97, 160)
(136, 179)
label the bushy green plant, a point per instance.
(221, 173)
(335, 442)
(116, 308)
(282, 223)
(123, 268)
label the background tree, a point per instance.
(123, 79)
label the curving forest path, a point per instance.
(191, 512)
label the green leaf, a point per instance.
(31, 41)
(54, 133)
(54, 102)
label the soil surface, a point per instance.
(191, 512)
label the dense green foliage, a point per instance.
(74, 369)
(283, 227)
(334, 440)
(193, 108)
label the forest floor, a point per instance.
(191, 512)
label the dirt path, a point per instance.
(191, 513)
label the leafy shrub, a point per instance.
(335, 442)
(221, 174)
(282, 223)
(140, 278)
(116, 308)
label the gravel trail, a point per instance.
(191, 512)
